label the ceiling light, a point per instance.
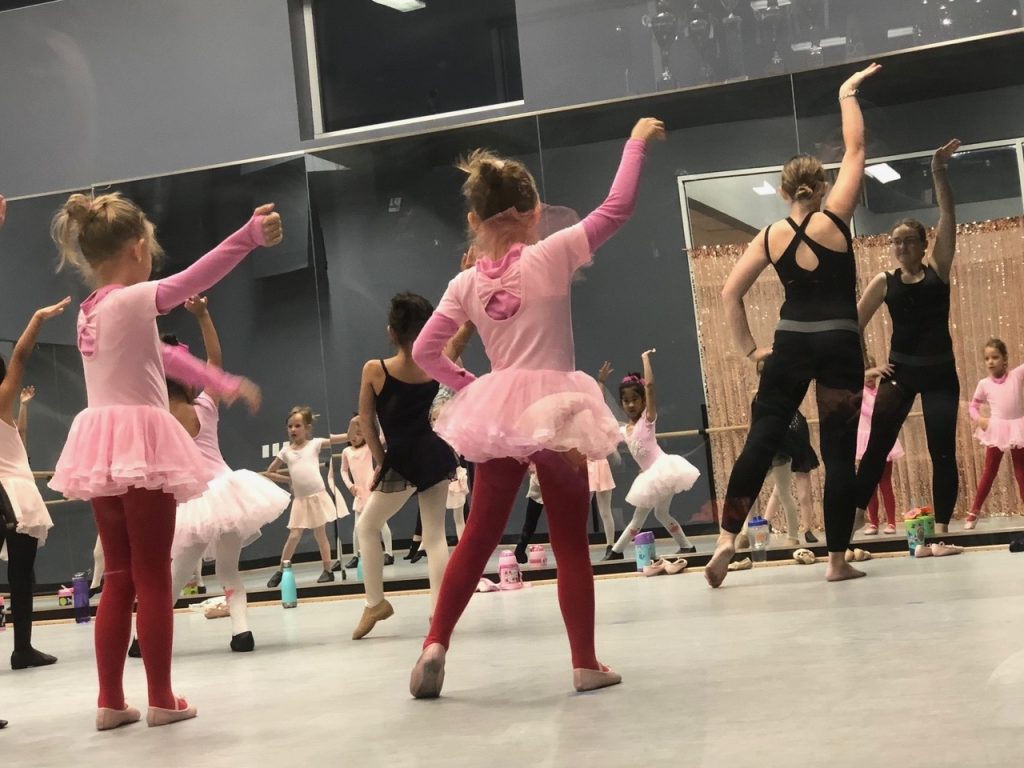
(402, 5)
(764, 189)
(882, 173)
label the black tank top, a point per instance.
(920, 319)
(414, 450)
(826, 293)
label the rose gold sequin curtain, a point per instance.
(987, 300)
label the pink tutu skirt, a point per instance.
(312, 511)
(1003, 434)
(600, 474)
(29, 507)
(113, 448)
(896, 453)
(669, 475)
(241, 502)
(516, 413)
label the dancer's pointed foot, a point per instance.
(427, 676)
(158, 716)
(381, 611)
(108, 719)
(718, 566)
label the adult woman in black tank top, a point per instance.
(817, 339)
(399, 394)
(921, 352)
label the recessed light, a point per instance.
(882, 173)
(402, 5)
(764, 189)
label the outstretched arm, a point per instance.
(26, 397)
(651, 401)
(182, 366)
(10, 387)
(744, 274)
(872, 299)
(945, 232)
(844, 196)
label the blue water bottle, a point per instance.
(80, 585)
(759, 532)
(644, 543)
(289, 592)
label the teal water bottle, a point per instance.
(645, 552)
(289, 592)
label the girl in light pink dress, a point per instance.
(867, 409)
(1002, 430)
(357, 474)
(125, 452)
(534, 406)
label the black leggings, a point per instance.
(939, 388)
(832, 359)
(21, 561)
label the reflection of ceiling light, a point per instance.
(402, 5)
(764, 189)
(883, 173)
(900, 32)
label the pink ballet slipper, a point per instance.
(107, 719)
(157, 716)
(971, 521)
(942, 549)
(593, 679)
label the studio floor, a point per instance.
(921, 663)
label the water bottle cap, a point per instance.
(645, 537)
(757, 521)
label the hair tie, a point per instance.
(634, 379)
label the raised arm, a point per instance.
(199, 306)
(945, 232)
(26, 397)
(333, 439)
(373, 374)
(609, 217)
(842, 201)
(651, 403)
(264, 228)
(871, 300)
(10, 387)
(181, 366)
(744, 274)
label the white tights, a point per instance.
(98, 564)
(229, 549)
(661, 512)
(604, 509)
(459, 516)
(380, 508)
(385, 533)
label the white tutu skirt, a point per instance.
(669, 475)
(29, 507)
(312, 511)
(1003, 434)
(239, 502)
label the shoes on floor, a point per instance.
(134, 651)
(413, 549)
(158, 716)
(31, 658)
(741, 565)
(804, 557)
(942, 549)
(611, 554)
(418, 555)
(353, 563)
(336, 566)
(201, 589)
(1017, 545)
(594, 679)
(275, 580)
(970, 522)
(520, 552)
(3, 724)
(857, 555)
(690, 550)
(388, 559)
(381, 611)
(810, 538)
(325, 577)
(674, 565)
(243, 642)
(889, 529)
(108, 719)
(870, 530)
(657, 568)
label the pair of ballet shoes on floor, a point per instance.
(857, 555)
(666, 565)
(940, 549)
(805, 557)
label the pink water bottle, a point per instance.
(509, 576)
(538, 556)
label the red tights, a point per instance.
(566, 490)
(136, 530)
(993, 458)
(888, 496)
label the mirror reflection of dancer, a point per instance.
(357, 473)
(533, 406)
(921, 358)
(125, 452)
(235, 506)
(662, 475)
(817, 339)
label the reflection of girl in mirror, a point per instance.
(817, 338)
(921, 351)
(357, 474)
(399, 395)
(867, 408)
(1003, 429)
(235, 506)
(662, 475)
(26, 521)
(533, 406)
(125, 452)
(312, 507)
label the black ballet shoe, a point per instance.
(242, 642)
(353, 563)
(420, 554)
(336, 565)
(611, 554)
(31, 658)
(413, 549)
(1017, 545)
(521, 557)
(686, 550)
(201, 589)
(3, 724)
(325, 577)
(388, 559)
(275, 580)
(810, 538)
(134, 651)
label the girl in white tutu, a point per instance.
(312, 507)
(237, 503)
(662, 475)
(1003, 429)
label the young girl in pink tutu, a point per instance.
(235, 506)
(867, 408)
(125, 452)
(1003, 429)
(357, 474)
(312, 507)
(533, 406)
(662, 475)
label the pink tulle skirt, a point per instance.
(516, 413)
(29, 508)
(1003, 434)
(113, 448)
(864, 433)
(312, 511)
(600, 474)
(669, 475)
(241, 502)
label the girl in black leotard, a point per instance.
(921, 352)
(817, 339)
